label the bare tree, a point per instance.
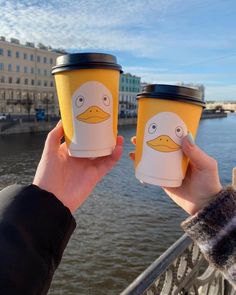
(27, 103)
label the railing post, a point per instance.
(234, 178)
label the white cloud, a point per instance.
(221, 92)
(137, 26)
(215, 90)
(150, 30)
(157, 75)
(81, 24)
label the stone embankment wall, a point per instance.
(34, 127)
(214, 115)
(25, 127)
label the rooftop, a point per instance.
(32, 45)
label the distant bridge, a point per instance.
(229, 107)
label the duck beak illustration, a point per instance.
(163, 143)
(93, 115)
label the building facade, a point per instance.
(26, 83)
(129, 87)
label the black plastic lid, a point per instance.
(76, 61)
(173, 92)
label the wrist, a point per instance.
(205, 201)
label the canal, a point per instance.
(124, 225)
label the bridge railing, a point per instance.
(182, 269)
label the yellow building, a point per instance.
(26, 83)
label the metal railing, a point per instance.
(182, 269)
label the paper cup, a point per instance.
(88, 87)
(166, 114)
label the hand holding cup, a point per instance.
(71, 179)
(201, 182)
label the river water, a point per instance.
(124, 225)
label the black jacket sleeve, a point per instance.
(35, 228)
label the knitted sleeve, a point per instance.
(214, 230)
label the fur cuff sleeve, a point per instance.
(214, 230)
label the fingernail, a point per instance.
(132, 155)
(58, 123)
(190, 138)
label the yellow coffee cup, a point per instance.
(88, 87)
(166, 113)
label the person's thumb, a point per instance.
(197, 157)
(54, 137)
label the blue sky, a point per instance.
(163, 41)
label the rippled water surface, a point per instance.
(124, 225)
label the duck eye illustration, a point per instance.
(79, 101)
(106, 100)
(179, 131)
(152, 128)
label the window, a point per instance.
(9, 53)
(17, 80)
(51, 83)
(2, 79)
(1, 51)
(32, 82)
(26, 81)
(10, 67)
(122, 88)
(25, 55)
(17, 54)
(1, 66)
(32, 71)
(45, 83)
(18, 68)
(51, 61)
(38, 58)
(39, 72)
(10, 80)
(31, 57)
(39, 82)
(45, 72)
(25, 70)
(18, 96)
(45, 60)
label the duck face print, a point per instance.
(164, 132)
(92, 103)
